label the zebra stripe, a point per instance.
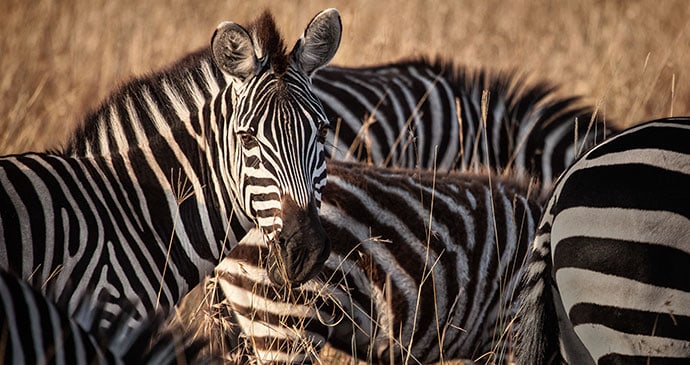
(429, 114)
(171, 170)
(420, 264)
(36, 331)
(609, 271)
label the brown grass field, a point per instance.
(60, 58)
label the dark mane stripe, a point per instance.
(531, 127)
(176, 75)
(265, 33)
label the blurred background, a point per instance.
(58, 59)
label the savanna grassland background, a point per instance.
(58, 59)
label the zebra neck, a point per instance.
(166, 128)
(171, 210)
(171, 120)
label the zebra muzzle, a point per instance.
(302, 247)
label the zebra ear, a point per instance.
(233, 50)
(320, 41)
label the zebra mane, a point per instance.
(522, 96)
(267, 39)
(513, 182)
(516, 101)
(179, 75)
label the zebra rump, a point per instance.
(423, 113)
(37, 331)
(423, 268)
(608, 279)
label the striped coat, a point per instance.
(37, 331)
(166, 176)
(423, 267)
(608, 282)
(428, 114)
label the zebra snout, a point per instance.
(302, 247)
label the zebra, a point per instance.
(423, 268)
(424, 113)
(608, 279)
(36, 331)
(164, 177)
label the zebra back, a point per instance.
(430, 114)
(610, 263)
(35, 330)
(423, 268)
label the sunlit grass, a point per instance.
(60, 59)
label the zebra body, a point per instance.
(609, 272)
(36, 331)
(80, 234)
(165, 177)
(415, 122)
(429, 114)
(418, 266)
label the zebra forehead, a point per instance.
(281, 91)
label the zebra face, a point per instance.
(282, 171)
(275, 133)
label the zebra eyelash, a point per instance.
(248, 139)
(323, 128)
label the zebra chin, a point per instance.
(302, 247)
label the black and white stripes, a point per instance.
(165, 177)
(172, 170)
(430, 114)
(610, 269)
(423, 268)
(33, 330)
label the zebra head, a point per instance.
(274, 135)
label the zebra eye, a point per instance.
(323, 132)
(248, 140)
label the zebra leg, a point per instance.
(538, 319)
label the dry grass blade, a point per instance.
(408, 128)
(61, 58)
(183, 190)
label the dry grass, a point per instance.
(61, 57)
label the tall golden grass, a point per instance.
(60, 58)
